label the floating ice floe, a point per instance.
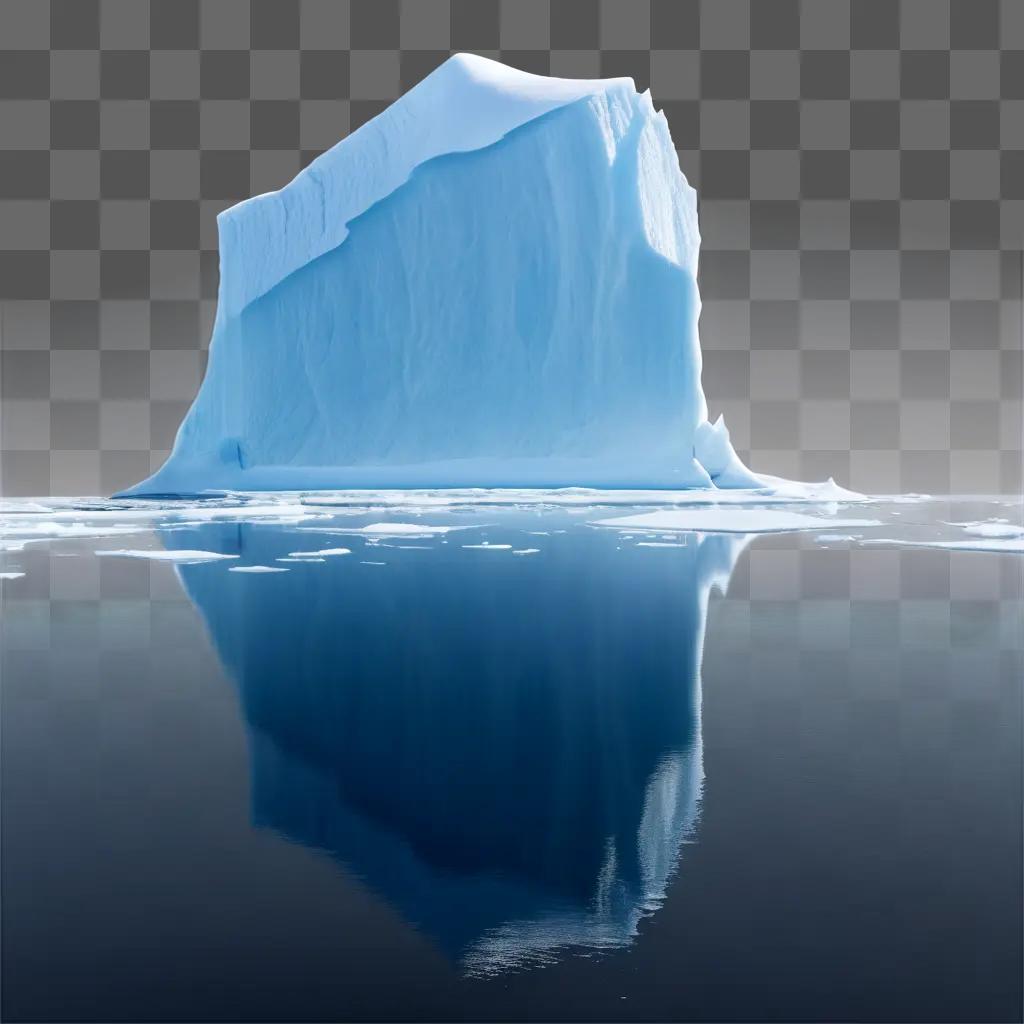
(996, 529)
(489, 547)
(323, 553)
(729, 520)
(256, 568)
(387, 531)
(9, 508)
(526, 551)
(999, 546)
(32, 531)
(168, 556)
(11, 575)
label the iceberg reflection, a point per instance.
(508, 750)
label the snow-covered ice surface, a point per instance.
(490, 284)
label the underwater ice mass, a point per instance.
(490, 284)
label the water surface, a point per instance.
(626, 775)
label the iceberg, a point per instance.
(490, 284)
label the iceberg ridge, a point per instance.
(491, 284)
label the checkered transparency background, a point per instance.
(860, 165)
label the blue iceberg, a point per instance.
(490, 284)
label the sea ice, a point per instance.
(256, 568)
(730, 520)
(169, 556)
(992, 528)
(39, 529)
(1003, 545)
(324, 553)
(378, 533)
(490, 284)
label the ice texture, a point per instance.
(490, 284)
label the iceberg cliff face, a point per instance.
(493, 283)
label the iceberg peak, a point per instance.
(490, 284)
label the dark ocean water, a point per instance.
(675, 777)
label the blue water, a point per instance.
(728, 778)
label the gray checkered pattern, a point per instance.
(860, 164)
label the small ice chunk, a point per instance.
(526, 551)
(830, 538)
(293, 559)
(256, 568)
(169, 556)
(728, 520)
(489, 547)
(323, 553)
(992, 528)
(11, 575)
(373, 563)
